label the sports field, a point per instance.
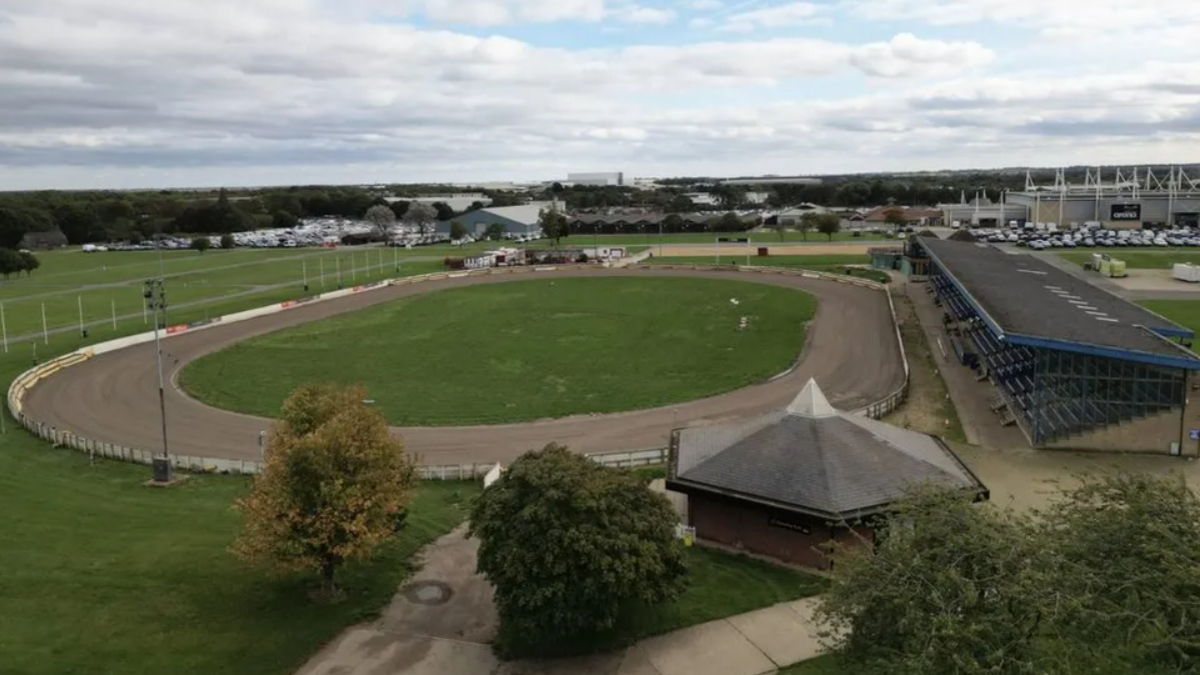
(524, 350)
(108, 285)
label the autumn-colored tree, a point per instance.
(334, 486)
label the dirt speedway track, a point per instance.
(851, 350)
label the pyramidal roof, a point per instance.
(811, 402)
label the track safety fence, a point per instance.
(64, 438)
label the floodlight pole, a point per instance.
(156, 297)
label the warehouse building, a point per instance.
(520, 220)
(1134, 199)
(790, 483)
(616, 178)
(1073, 365)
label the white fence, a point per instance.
(63, 438)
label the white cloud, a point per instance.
(1093, 19)
(122, 92)
(776, 16)
(702, 5)
(640, 14)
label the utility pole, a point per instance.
(156, 300)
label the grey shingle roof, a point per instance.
(812, 458)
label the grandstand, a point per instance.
(1073, 365)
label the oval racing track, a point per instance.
(850, 349)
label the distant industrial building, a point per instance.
(459, 201)
(1131, 200)
(617, 178)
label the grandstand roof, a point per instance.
(1027, 300)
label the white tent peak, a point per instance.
(811, 403)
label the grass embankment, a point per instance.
(1139, 259)
(833, 264)
(524, 350)
(104, 575)
(760, 238)
(928, 407)
(822, 665)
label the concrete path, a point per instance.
(440, 623)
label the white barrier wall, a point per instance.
(30, 378)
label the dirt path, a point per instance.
(734, 251)
(851, 350)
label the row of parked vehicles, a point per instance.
(1093, 235)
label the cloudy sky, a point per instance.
(150, 93)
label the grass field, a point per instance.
(104, 575)
(523, 350)
(1184, 312)
(822, 665)
(818, 263)
(108, 284)
(1161, 258)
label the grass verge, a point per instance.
(100, 572)
(552, 347)
(1140, 259)
(928, 407)
(832, 264)
(1183, 312)
(822, 665)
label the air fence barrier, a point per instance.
(67, 439)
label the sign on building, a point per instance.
(1126, 212)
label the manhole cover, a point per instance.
(428, 592)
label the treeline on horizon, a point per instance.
(53, 218)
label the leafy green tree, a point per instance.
(495, 231)
(729, 222)
(780, 228)
(27, 262)
(806, 224)
(284, 220)
(457, 230)
(673, 223)
(895, 218)
(227, 241)
(443, 211)
(828, 224)
(10, 262)
(573, 548)
(554, 225)
(1125, 577)
(79, 222)
(948, 589)
(201, 244)
(334, 487)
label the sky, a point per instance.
(174, 93)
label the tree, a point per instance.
(495, 231)
(27, 262)
(895, 218)
(780, 228)
(572, 548)
(10, 262)
(420, 215)
(399, 207)
(673, 223)
(383, 218)
(200, 244)
(284, 220)
(227, 241)
(949, 588)
(334, 486)
(1125, 571)
(457, 230)
(806, 224)
(729, 222)
(554, 225)
(828, 224)
(443, 211)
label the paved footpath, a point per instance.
(443, 629)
